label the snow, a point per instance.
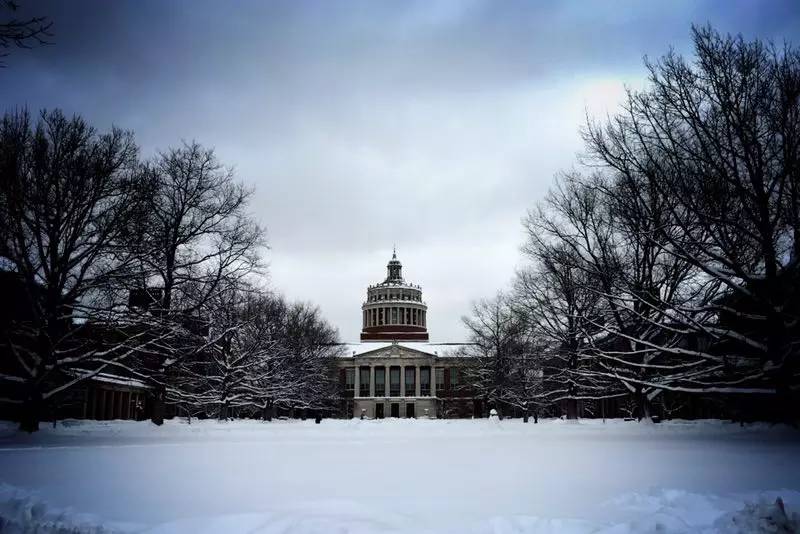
(400, 476)
(432, 348)
(109, 378)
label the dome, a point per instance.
(394, 309)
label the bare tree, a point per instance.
(562, 308)
(309, 346)
(66, 197)
(720, 137)
(503, 368)
(193, 237)
(21, 33)
(217, 380)
(266, 354)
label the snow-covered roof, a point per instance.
(432, 348)
(109, 378)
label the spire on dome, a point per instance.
(394, 270)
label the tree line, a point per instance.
(148, 268)
(666, 265)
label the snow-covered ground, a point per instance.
(459, 476)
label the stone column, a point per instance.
(357, 382)
(433, 379)
(386, 384)
(416, 380)
(402, 380)
(371, 380)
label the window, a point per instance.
(439, 380)
(453, 378)
(349, 379)
(394, 315)
(411, 382)
(425, 381)
(380, 381)
(363, 378)
(394, 381)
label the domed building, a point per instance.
(395, 371)
(394, 309)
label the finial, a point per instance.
(394, 251)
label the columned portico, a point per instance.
(403, 389)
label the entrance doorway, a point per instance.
(379, 411)
(410, 411)
(395, 409)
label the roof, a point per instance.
(434, 349)
(108, 378)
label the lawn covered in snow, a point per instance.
(456, 476)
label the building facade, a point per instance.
(395, 371)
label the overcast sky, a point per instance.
(434, 125)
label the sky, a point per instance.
(430, 125)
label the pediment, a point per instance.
(394, 351)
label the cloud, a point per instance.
(430, 124)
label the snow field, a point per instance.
(457, 476)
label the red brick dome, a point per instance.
(394, 309)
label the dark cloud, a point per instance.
(429, 124)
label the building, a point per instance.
(396, 371)
(99, 395)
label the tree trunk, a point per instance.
(777, 354)
(572, 408)
(157, 417)
(31, 410)
(642, 405)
